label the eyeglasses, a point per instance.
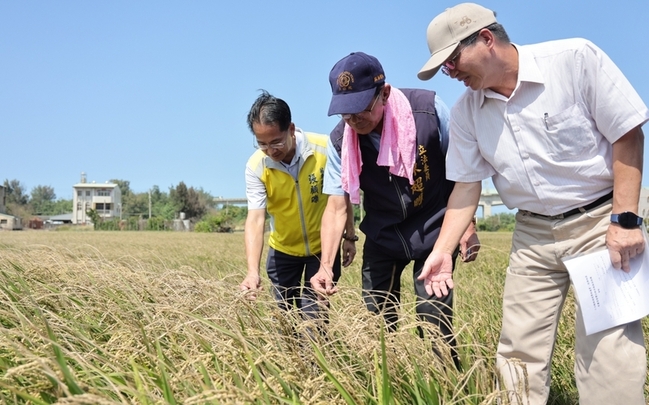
(364, 112)
(450, 64)
(273, 145)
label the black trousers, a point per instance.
(290, 277)
(382, 292)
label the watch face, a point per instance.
(629, 220)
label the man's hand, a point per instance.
(469, 245)
(623, 245)
(322, 282)
(437, 274)
(349, 252)
(251, 285)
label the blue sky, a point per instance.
(157, 92)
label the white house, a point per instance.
(10, 223)
(105, 198)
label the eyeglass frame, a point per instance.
(449, 65)
(272, 145)
(445, 68)
(378, 94)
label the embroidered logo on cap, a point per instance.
(465, 21)
(345, 80)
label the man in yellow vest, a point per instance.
(284, 179)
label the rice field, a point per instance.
(157, 318)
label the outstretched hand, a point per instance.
(322, 282)
(437, 274)
(251, 286)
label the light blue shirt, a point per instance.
(332, 184)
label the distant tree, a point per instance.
(196, 206)
(206, 200)
(178, 197)
(137, 204)
(131, 203)
(61, 207)
(157, 195)
(187, 200)
(494, 223)
(21, 211)
(95, 218)
(166, 210)
(124, 186)
(42, 199)
(15, 192)
(162, 206)
(237, 215)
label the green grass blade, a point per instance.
(339, 387)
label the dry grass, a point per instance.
(157, 318)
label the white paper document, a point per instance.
(610, 297)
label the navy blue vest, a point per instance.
(402, 218)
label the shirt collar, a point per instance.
(301, 146)
(528, 71)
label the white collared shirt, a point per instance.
(548, 147)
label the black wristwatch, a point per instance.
(627, 220)
(350, 238)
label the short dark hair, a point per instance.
(497, 29)
(269, 110)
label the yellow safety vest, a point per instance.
(295, 207)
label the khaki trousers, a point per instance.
(610, 366)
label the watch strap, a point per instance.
(353, 238)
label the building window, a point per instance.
(79, 206)
(87, 193)
(103, 193)
(99, 206)
(3, 221)
(79, 193)
(107, 206)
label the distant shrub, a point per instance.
(203, 226)
(155, 224)
(219, 222)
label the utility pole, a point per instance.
(149, 203)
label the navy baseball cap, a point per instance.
(353, 81)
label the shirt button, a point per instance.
(516, 129)
(525, 156)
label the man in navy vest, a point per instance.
(391, 144)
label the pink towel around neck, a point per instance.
(397, 148)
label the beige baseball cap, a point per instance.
(449, 28)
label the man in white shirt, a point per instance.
(557, 127)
